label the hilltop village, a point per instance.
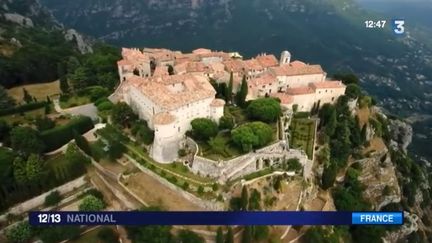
(169, 89)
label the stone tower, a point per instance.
(285, 58)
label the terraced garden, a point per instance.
(302, 135)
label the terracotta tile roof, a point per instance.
(327, 85)
(284, 98)
(297, 69)
(192, 67)
(267, 61)
(234, 66)
(263, 80)
(297, 64)
(252, 64)
(163, 118)
(157, 89)
(300, 91)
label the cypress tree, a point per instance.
(229, 238)
(61, 73)
(364, 134)
(244, 198)
(247, 235)
(27, 97)
(219, 235)
(229, 89)
(242, 93)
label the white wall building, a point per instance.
(169, 104)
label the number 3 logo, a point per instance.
(399, 26)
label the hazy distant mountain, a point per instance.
(331, 32)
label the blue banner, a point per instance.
(215, 218)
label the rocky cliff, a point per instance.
(31, 14)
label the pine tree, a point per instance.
(244, 198)
(229, 89)
(242, 93)
(219, 235)
(27, 97)
(229, 237)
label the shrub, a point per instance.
(59, 136)
(104, 106)
(23, 108)
(182, 152)
(52, 199)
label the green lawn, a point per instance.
(302, 132)
(74, 101)
(25, 117)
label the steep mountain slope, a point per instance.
(396, 69)
(32, 43)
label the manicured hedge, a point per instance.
(23, 108)
(59, 136)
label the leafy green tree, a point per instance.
(242, 93)
(123, 115)
(44, 123)
(244, 198)
(6, 101)
(346, 78)
(189, 237)
(264, 109)
(82, 143)
(54, 234)
(75, 156)
(108, 235)
(4, 130)
(72, 64)
(331, 124)
(244, 137)
(328, 176)
(250, 135)
(150, 234)
(19, 233)
(229, 89)
(27, 97)
(370, 234)
(26, 141)
(33, 168)
(229, 237)
(79, 79)
(91, 203)
(226, 122)
(355, 132)
(353, 91)
(203, 128)
(53, 198)
(261, 232)
(219, 235)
